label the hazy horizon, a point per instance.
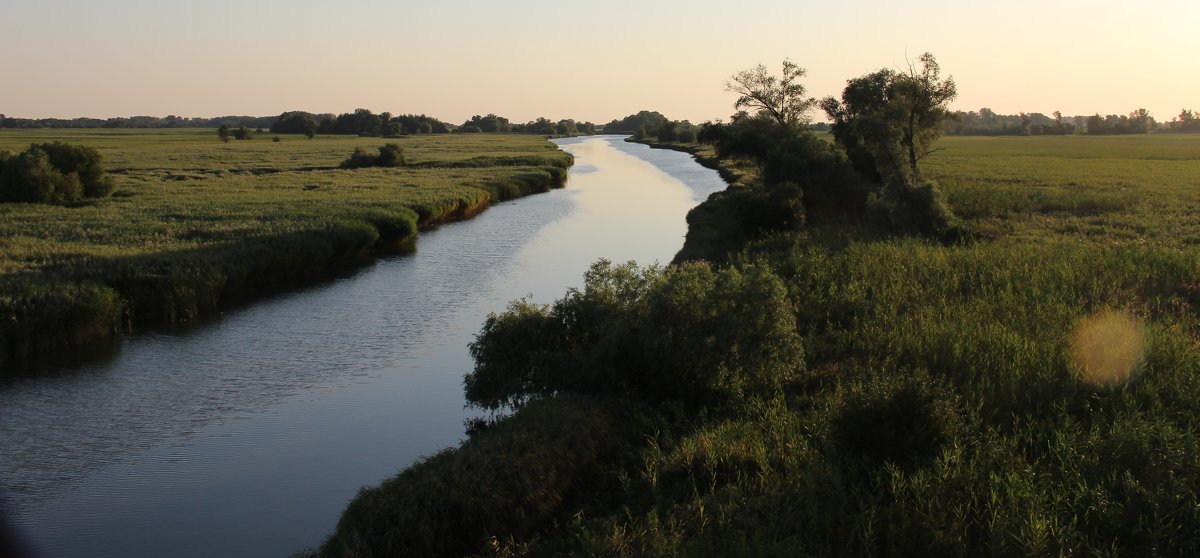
(531, 58)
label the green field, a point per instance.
(194, 223)
(1032, 390)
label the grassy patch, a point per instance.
(195, 222)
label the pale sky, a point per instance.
(589, 60)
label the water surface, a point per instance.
(248, 434)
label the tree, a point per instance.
(242, 133)
(779, 98)
(223, 133)
(296, 122)
(888, 121)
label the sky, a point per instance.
(591, 60)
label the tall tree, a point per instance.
(779, 98)
(888, 121)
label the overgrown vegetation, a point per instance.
(1029, 390)
(390, 155)
(195, 224)
(53, 172)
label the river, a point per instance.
(247, 434)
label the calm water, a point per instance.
(247, 435)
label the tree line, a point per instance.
(170, 121)
(543, 126)
(986, 122)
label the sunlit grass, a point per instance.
(194, 221)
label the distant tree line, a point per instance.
(542, 126)
(652, 125)
(986, 122)
(170, 121)
(1187, 121)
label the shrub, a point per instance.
(82, 161)
(689, 334)
(513, 480)
(390, 155)
(903, 421)
(30, 177)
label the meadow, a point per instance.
(195, 224)
(1032, 389)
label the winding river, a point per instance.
(246, 435)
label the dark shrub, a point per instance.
(521, 474)
(30, 177)
(689, 334)
(902, 421)
(390, 155)
(84, 162)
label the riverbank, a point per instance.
(196, 225)
(834, 388)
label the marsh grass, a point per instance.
(195, 223)
(942, 408)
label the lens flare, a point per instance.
(1108, 349)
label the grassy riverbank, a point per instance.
(195, 224)
(834, 389)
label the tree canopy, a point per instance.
(887, 120)
(779, 98)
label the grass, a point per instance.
(195, 223)
(1035, 391)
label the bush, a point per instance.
(902, 421)
(922, 210)
(513, 480)
(689, 334)
(53, 173)
(84, 162)
(390, 155)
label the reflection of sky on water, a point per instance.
(247, 435)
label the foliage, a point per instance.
(296, 122)
(489, 123)
(224, 134)
(887, 122)
(540, 466)
(648, 120)
(242, 133)
(390, 155)
(786, 155)
(779, 99)
(53, 172)
(690, 334)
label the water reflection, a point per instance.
(247, 435)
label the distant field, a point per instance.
(1116, 189)
(194, 221)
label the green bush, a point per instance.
(53, 173)
(692, 334)
(521, 475)
(390, 155)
